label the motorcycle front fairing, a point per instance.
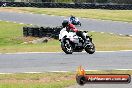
(63, 33)
(68, 35)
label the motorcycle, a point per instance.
(70, 42)
(75, 21)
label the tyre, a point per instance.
(90, 48)
(25, 31)
(67, 47)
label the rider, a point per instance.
(72, 18)
(71, 28)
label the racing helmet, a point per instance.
(65, 23)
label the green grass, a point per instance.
(47, 79)
(36, 85)
(116, 15)
(10, 33)
(42, 80)
(54, 76)
(11, 40)
(110, 42)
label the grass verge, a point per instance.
(42, 80)
(11, 40)
(115, 15)
(47, 79)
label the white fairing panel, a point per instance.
(76, 19)
(69, 35)
(63, 32)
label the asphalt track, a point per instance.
(87, 24)
(41, 62)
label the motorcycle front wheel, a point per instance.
(90, 49)
(67, 47)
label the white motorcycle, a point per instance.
(70, 42)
